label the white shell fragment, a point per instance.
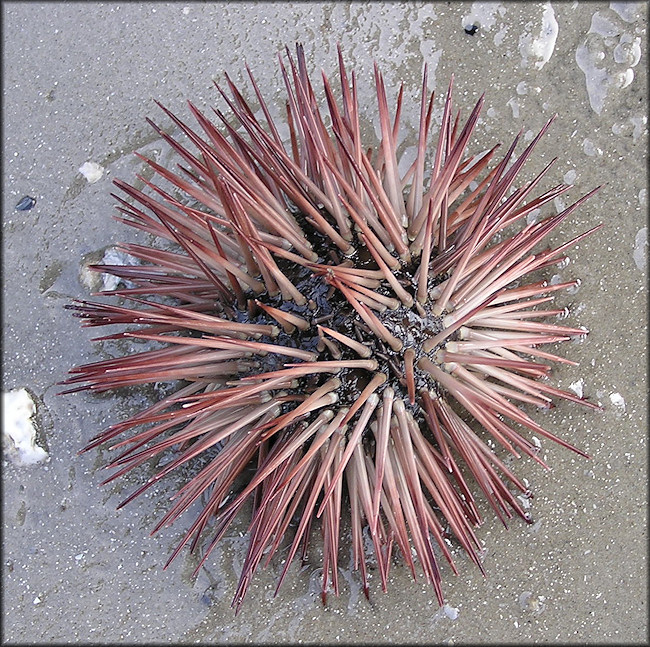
(113, 256)
(91, 171)
(536, 46)
(450, 612)
(617, 400)
(17, 428)
(578, 387)
(640, 248)
(104, 281)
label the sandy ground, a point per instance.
(79, 80)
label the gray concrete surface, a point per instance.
(79, 80)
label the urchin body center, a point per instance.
(410, 325)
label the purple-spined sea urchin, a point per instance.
(328, 320)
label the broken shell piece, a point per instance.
(18, 429)
(91, 171)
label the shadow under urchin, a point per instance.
(361, 338)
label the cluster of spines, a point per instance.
(400, 459)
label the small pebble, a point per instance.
(26, 203)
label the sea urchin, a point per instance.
(359, 337)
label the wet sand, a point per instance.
(79, 80)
